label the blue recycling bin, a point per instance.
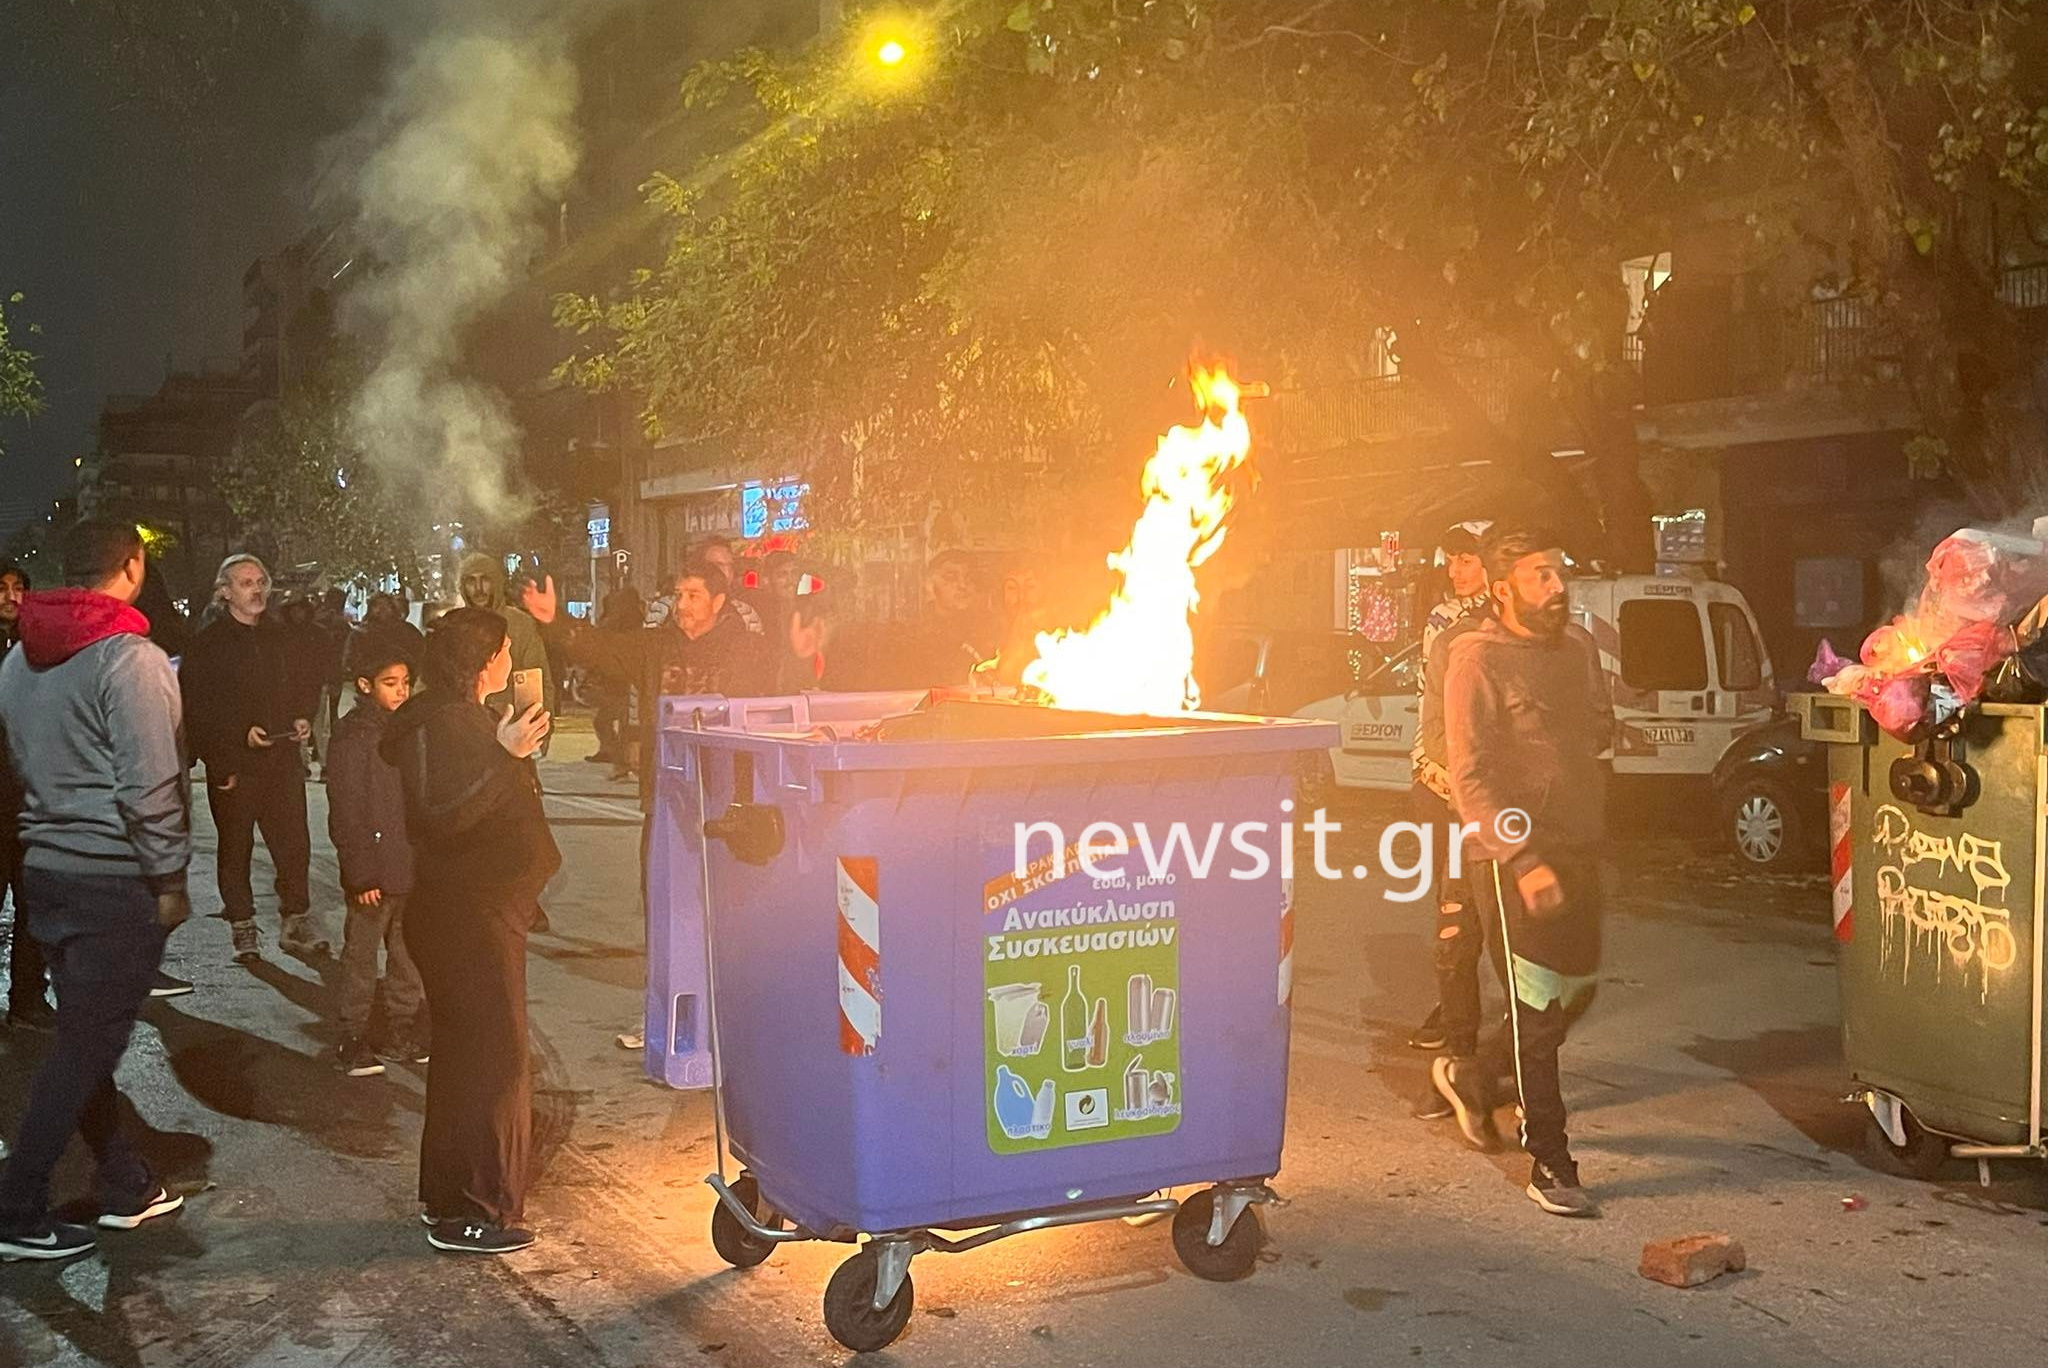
(916, 1033)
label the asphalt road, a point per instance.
(1704, 1087)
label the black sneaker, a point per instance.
(1458, 1083)
(404, 1050)
(474, 1237)
(33, 1016)
(1430, 1034)
(357, 1060)
(159, 1203)
(1558, 1192)
(165, 986)
(1432, 1105)
(53, 1241)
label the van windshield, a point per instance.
(1662, 647)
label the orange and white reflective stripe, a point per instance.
(1286, 941)
(1841, 860)
(860, 956)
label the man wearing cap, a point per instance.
(1454, 1022)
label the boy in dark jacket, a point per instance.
(366, 820)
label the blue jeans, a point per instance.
(103, 943)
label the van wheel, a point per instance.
(1758, 821)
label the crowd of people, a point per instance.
(445, 854)
(426, 741)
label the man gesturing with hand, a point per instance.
(90, 713)
(1527, 720)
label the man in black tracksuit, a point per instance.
(245, 721)
(1527, 720)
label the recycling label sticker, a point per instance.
(1081, 1026)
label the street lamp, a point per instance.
(891, 52)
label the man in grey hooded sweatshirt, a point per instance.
(89, 714)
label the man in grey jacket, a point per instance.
(89, 713)
(1527, 721)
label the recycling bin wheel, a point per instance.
(1227, 1262)
(1920, 1157)
(850, 1305)
(734, 1243)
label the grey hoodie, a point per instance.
(89, 712)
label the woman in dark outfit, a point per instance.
(483, 852)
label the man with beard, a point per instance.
(1527, 719)
(700, 649)
(483, 586)
(246, 718)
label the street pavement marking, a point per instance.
(603, 807)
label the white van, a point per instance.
(1685, 665)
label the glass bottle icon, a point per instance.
(1074, 1024)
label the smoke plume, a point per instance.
(473, 136)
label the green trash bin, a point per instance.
(1936, 861)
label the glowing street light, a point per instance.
(891, 52)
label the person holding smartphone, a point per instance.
(243, 725)
(481, 854)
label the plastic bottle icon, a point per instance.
(1021, 1115)
(1074, 1038)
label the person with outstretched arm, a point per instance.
(1527, 722)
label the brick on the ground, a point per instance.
(1692, 1259)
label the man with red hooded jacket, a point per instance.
(89, 714)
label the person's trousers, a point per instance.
(610, 724)
(270, 797)
(1461, 933)
(101, 937)
(1554, 963)
(370, 926)
(478, 1139)
(28, 977)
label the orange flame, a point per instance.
(1138, 655)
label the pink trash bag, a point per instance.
(1969, 657)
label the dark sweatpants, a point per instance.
(270, 795)
(1554, 968)
(1462, 929)
(104, 944)
(478, 1141)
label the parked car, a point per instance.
(1770, 797)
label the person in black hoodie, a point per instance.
(366, 821)
(245, 722)
(28, 978)
(482, 852)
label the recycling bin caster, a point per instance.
(920, 1022)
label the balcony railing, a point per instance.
(1826, 341)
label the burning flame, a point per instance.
(1138, 655)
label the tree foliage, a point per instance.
(933, 288)
(296, 479)
(21, 391)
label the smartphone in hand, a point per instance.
(526, 691)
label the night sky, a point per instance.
(136, 185)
